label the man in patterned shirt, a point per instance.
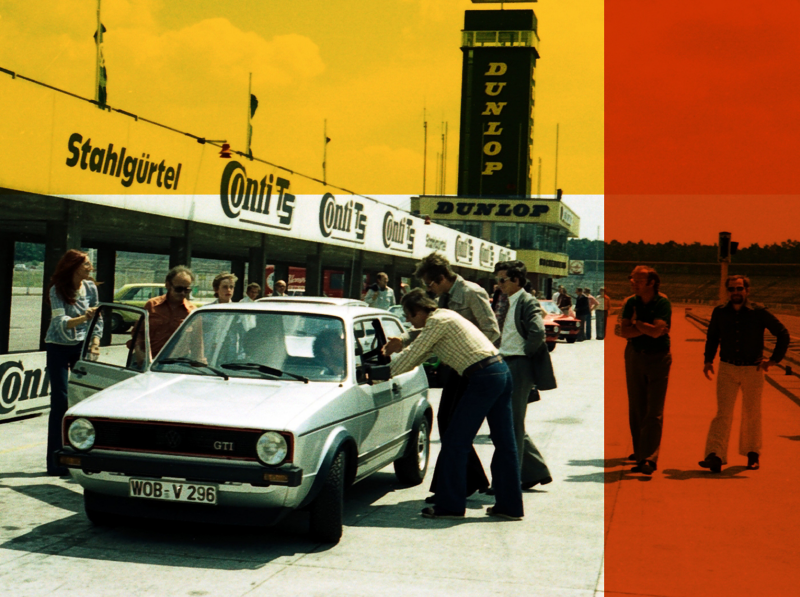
(462, 346)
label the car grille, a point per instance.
(568, 325)
(165, 438)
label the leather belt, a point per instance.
(483, 363)
(739, 362)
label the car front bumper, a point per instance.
(135, 465)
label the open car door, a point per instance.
(122, 354)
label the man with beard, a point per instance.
(738, 329)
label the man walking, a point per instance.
(523, 348)
(487, 395)
(601, 313)
(646, 319)
(738, 329)
(471, 302)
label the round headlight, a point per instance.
(272, 448)
(81, 434)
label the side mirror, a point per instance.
(378, 372)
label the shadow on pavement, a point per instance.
(731, 472)
(794, 438)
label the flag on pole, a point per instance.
(327, 140)
(253, 105)
(102, 94)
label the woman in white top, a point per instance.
(73, 299)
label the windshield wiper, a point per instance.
(193, 363)
(263, 369)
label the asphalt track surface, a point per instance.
(48, 547)
(686, 532)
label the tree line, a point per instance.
(582, 248)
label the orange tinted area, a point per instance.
(701, 131)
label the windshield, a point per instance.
(287, 346)
(550, 307)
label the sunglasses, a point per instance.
(735, 288)
(182, 289)
(502, 280)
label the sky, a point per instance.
(702, 121)
(374, 70)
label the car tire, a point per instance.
(411, 467)
(572, 339)
(327, 510)
(95, 516)
(118, 325)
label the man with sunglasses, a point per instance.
(167, 312)
(738, 329)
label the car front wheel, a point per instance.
(411, 467)
(572, 339)
(97, 517)
(327, 510)
(118, 325)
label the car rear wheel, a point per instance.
(411, 467)
(327, 510)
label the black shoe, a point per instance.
(487, 491)
(533, 484)
(713, 462)
(632, 457)
(492, 511)
(752, 461)
(431, 499)
(648, 467)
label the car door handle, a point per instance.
(79, 372)
(395, 388)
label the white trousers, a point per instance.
(751, 381)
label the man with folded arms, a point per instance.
(738, 329)
(646, 319)
(462, 346)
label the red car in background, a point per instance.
(568, 326)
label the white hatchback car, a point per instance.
(249, 412)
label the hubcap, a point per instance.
(422, 445)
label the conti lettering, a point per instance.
(464, 249)
(18, 384)
(238, 193)
(398, 233)
(343, 217)
(127, 168)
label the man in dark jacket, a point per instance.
(737, 328)
(523, 347)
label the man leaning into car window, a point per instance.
(462, 346)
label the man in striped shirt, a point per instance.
(462, 346)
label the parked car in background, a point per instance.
(568, 326)
(250, 411)
(20, 267)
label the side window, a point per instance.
(359, 334)
(392, 329)
(121, 335)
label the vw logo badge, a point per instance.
(173, 438)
